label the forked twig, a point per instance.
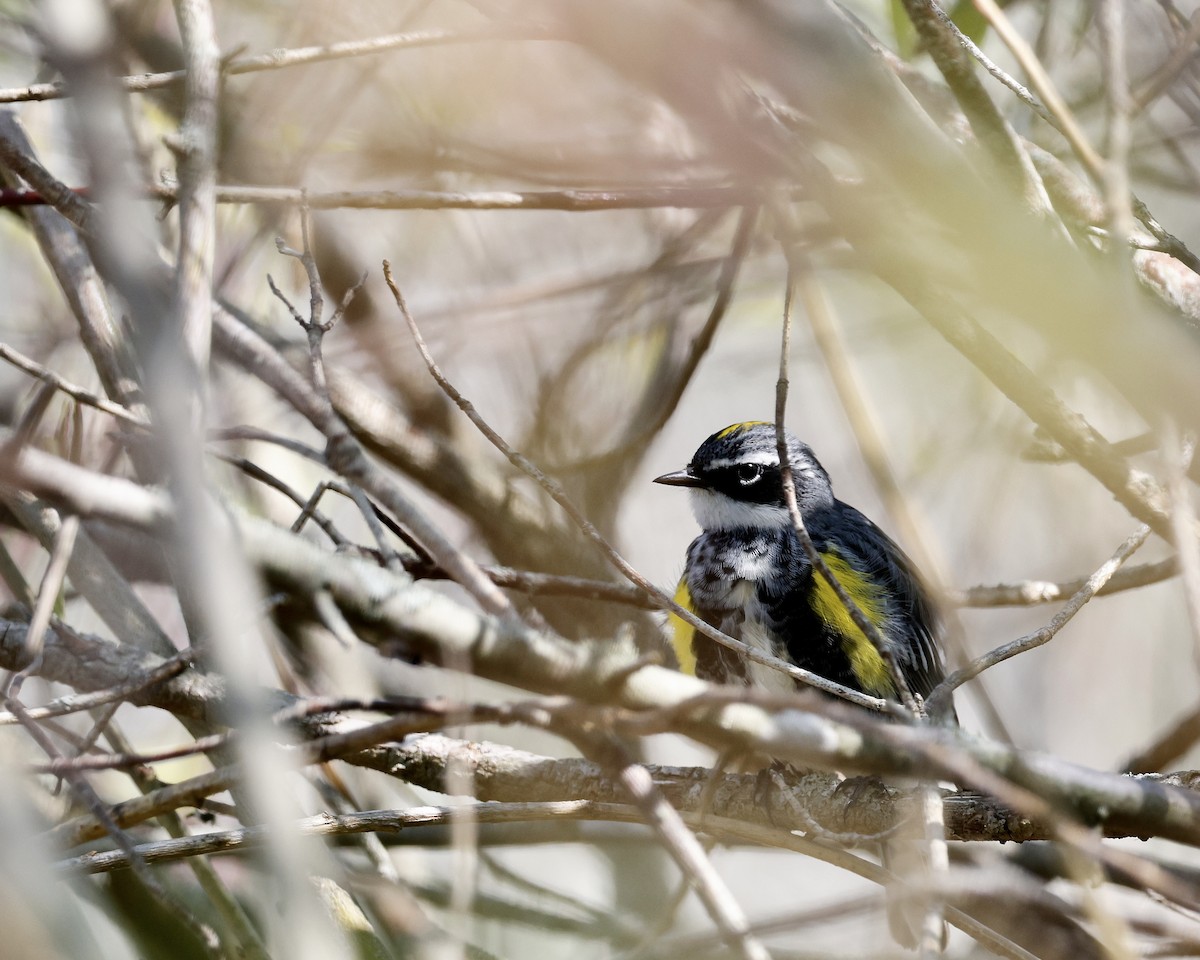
(1046, 633)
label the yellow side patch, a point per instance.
(868, 664)
(683, 632)
(733, 428)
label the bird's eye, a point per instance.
(748, 473)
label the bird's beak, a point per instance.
(680, 478)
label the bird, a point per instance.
(748, 575)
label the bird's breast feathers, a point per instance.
(755, 586)
(724, 585)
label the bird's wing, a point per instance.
(913, 621)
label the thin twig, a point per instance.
(994, 69)
(1046, 633)
(864, 424)
(333, 619)
(549, 892)
(698, 348)
(1181, 56)
(650, 197)
(987, 123)
(283, 58)
(1024, 593)
(869, 630)
(345, 454)
(681, 843)
(717, 196)
(1167, 747)
(124, 761)
(418, 559)
(549, 584)
(77, 702)
(1183, 524)
(1055, 104)
(126, 848)
(282, 297)
(315, 326)
(77, 393)
(48, 591)
(371, 517)
(101, 719)
(1110, 18)
(255, 472)
(26, 426)
(347, 298)
(245, 432)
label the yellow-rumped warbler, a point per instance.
(748, 576)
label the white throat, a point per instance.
(715, 511)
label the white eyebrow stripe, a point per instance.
(764, 458)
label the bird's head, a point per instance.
(735, 480)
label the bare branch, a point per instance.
(283, 59)
(1045, 87)
(86, 397)
(67, 256)
(1028, 592)
(346, 455)
(77, 702)
(989, 125)
(1165, 75)
(47, 599)
(196, 147)
(1044, 634)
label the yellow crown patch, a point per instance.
(739, 427)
